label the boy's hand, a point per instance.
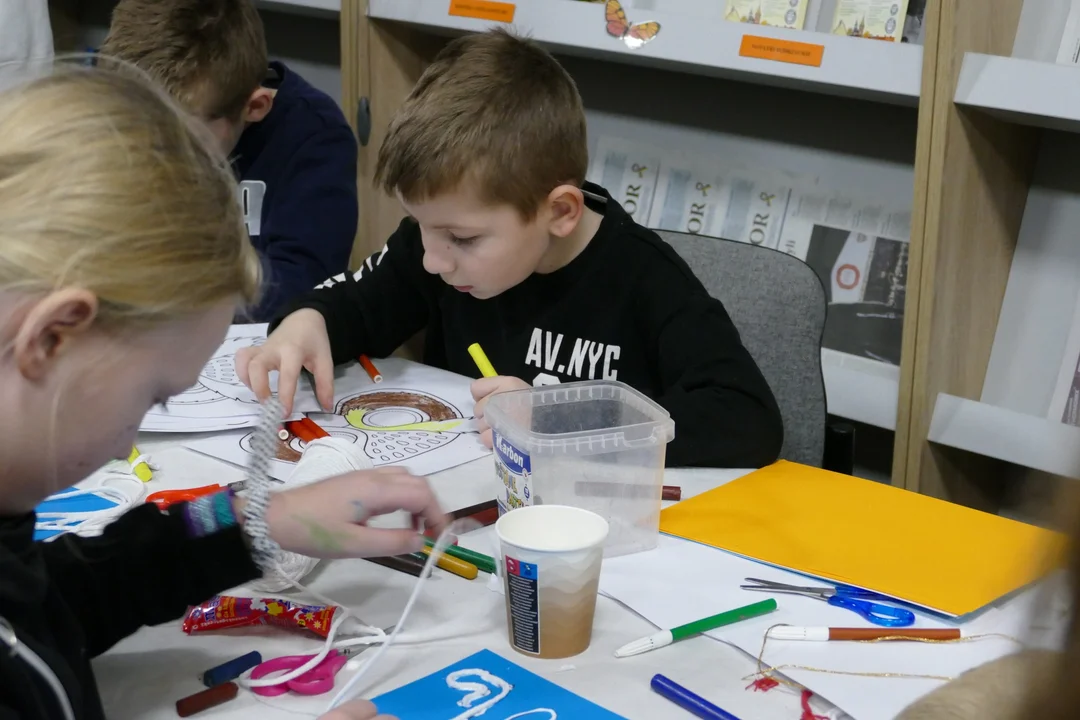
(300, 341)
(482, 390)
(355, 710)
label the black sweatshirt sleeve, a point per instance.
(724, 411)
(143, 570)
(376, 309)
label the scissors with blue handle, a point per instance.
(844, 596)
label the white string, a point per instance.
(118, 485)
(322, 458)
(369, 635)
(446, 538)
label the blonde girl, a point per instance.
(122, 260)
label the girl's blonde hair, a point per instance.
(107, 186)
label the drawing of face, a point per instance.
(391, 426)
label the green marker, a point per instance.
(484, 563)
(666, 637)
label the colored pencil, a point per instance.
(454, 565)
(481, 360)
(824, 634)
(483, 562)
(403, 563)
(369, 367)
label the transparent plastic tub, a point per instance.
(598, 445)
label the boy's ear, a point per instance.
(258, 105)
(567, 205)
(49, 327)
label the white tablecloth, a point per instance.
(143, 676)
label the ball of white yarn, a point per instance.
(322, 458)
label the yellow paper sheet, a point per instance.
(905, 545)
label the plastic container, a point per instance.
(597, 445)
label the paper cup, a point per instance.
(550, 557)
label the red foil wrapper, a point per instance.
(222, 612)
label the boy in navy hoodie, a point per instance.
(293, 152)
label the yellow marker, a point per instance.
(481, 360)
(453, 565)
(142, 470)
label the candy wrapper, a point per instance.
(222, 612)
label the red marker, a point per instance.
(372, 371)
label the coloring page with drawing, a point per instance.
(219, 400)
(486, 684)
(418, 417)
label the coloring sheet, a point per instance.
(488, 685)
(219, 401)
(418, 417)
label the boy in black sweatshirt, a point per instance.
(291, 149)
(506, 245)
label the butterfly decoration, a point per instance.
(634, 35)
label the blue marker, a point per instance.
(687, 700)
(230, 670)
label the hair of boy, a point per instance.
(494, 113)
(123, 194)
(208, 54)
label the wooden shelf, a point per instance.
(862, 390)
(996, 432)
(1026, 92)
(320, 8)
(851, 67)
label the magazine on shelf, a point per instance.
(1065, 402)
(629, 171)
(777, 13)
(859, 248)
(874, 19)
(1069, 49)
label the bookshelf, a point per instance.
(966, 140)
(852, 67)
(1021, 91)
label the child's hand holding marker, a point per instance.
(299, 342)
(491, 384)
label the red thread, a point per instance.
(764, 684)
(807, 712)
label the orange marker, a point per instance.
(372, 371)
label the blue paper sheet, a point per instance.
(529, 697)
(82, 503)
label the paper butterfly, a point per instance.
(633, 35)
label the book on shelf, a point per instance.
(857, 247)
(1069, 49)
(874, 19)
(1065, 401)
(777, 13)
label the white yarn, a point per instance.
(118, 483)
(322, 458)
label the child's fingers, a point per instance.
(322, 368)
(258, 369)
(241, 362)
(486, 439)
(485, 386)
(288, 375)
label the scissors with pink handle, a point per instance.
(316, 681)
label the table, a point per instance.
(145, 674)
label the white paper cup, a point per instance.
(550, 557)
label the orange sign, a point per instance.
(788, 51)
(483, 10)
